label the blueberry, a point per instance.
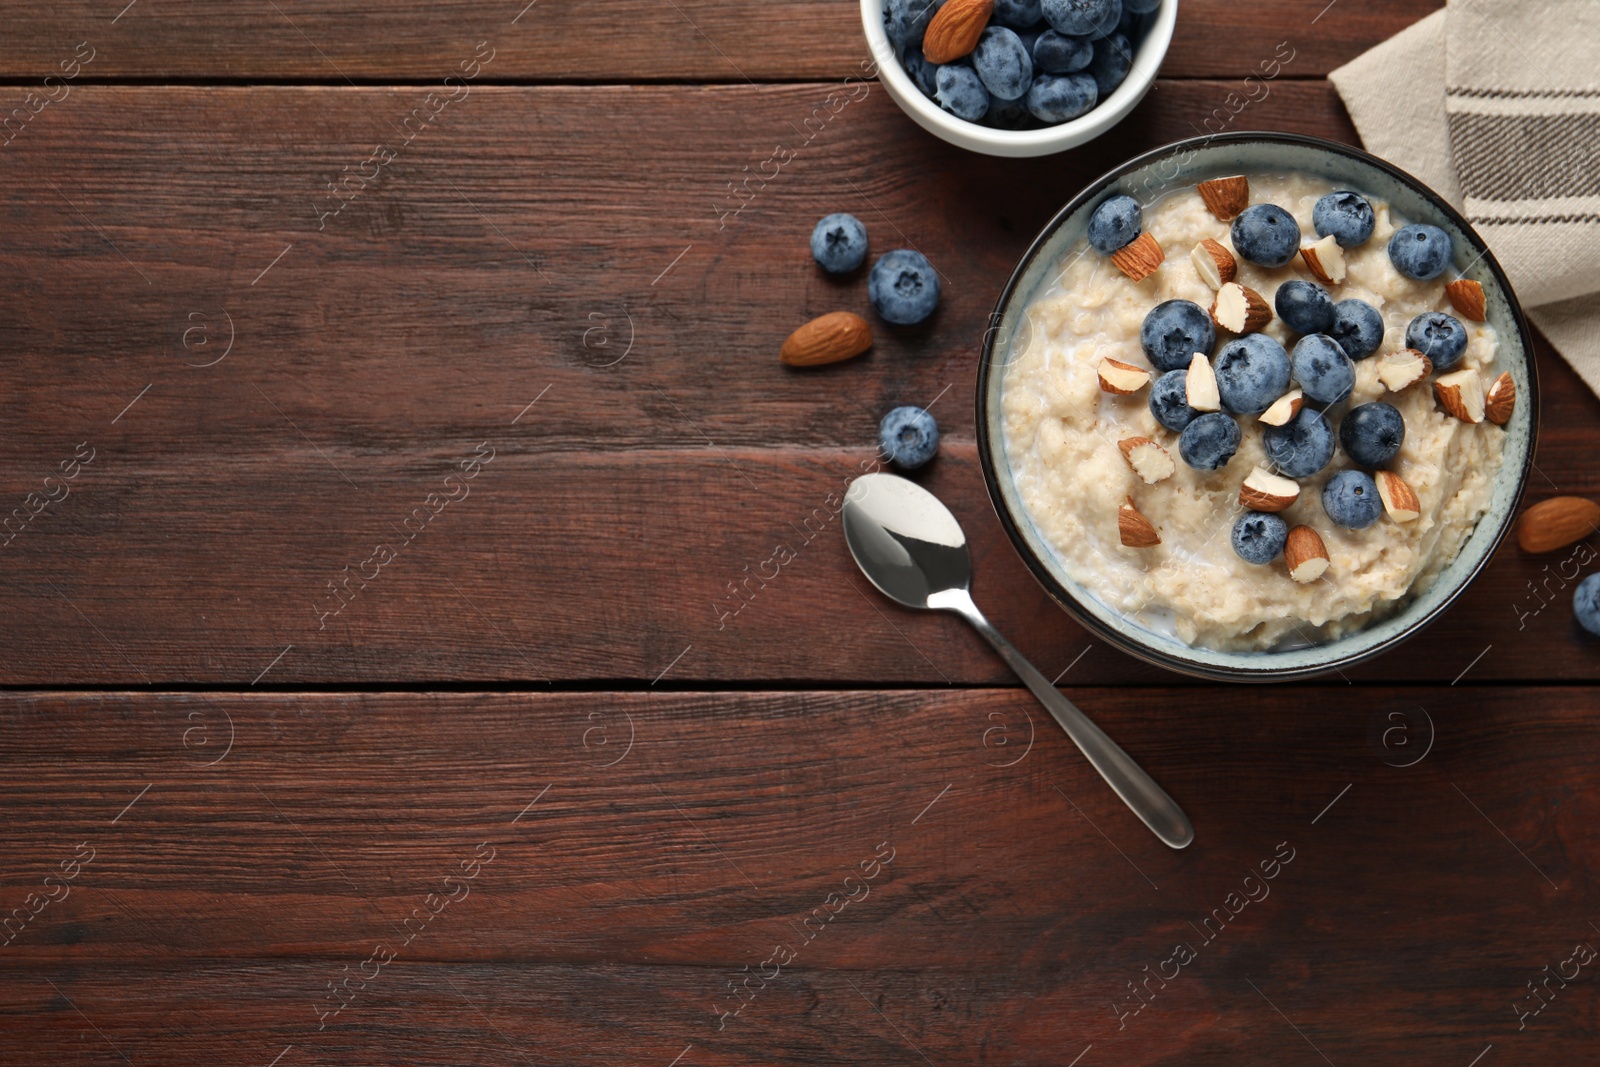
(1302, 446)
(1108, 25)
(1116, 222)
(1372, 433)
(1346, 216)
(1113, 57)
(1357, 327)
(1266, 234)
(1438, 336)
(1077, 18)
(1174, 331)
(1140, 7)
(1304, 307)
(905, 21)
(1420, 251)
(1002, 63)
(839, 243)
(1259, 537)
(959, 91)
(1325, 373)
(1059, 97)
(1252, 371)
(1008, 115)
(1586, 604)
(1351, 499)
(1017, 14)
(1056, 53)
(1209, 441)
(908, 436)
(1169, 401)
(903, 286)
(922, 72)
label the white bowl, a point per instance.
(939, 122)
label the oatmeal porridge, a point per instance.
(1237, 482)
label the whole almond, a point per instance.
(1139, 258)
(1557, 523)
(955, 30)
(1226, 197)
(827, 339)
(1466, 296)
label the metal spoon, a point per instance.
(909, 545)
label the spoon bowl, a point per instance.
(909, 545)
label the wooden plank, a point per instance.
(485, 291)
(618, 40)
(616, 890)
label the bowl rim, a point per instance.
(1068, 600)
(988, 140)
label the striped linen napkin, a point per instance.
(1496, 105)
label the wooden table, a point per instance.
(537, 783)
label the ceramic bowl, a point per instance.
(939, 122)
(1177, 167)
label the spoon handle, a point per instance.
(1136, 788)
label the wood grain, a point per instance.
(618, 40)
(494, 267)
(629, 885)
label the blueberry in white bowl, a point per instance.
(960, 91)
(1003, 64)
(1056, 53)
(1371, 434)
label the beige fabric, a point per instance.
(1513, 141)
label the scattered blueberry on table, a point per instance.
(1358, 327)
(1351, 499)
(1209, 441)
(1586, 604)
(908, 437)
(1304, 307)
(1061, 58)
(1420, 251)
(903, 287)
(1173, 331)
(1259, 537)
(1440, 337)
(1345, 216)
(1302, 446)
(1169, 401)
(1266, 234)
(1372, 433)
(839, 243)
(1323, 369)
